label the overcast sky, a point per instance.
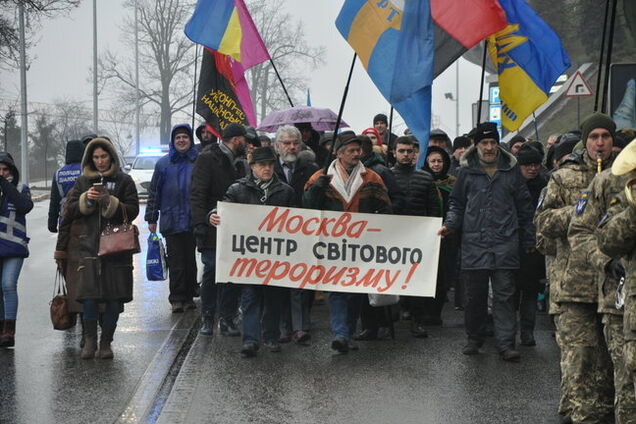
(63, 57)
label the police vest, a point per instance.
(13, 238)
(65, 177)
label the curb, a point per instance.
(41, 197)
(142, 401)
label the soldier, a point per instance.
(616, 238)
(585, 372)
(591, 270)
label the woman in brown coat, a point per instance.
(100, 196)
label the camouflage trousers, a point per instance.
(625, 399)
(587, 366)
(630, 356)
(565, 406)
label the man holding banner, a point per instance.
(350, 187)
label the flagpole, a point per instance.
(536, 129)
(390, 127)
(194, 85)
(339, 119)
(608, 61)
(481, 84)
(281, 83)
(600, 59)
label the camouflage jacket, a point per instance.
(616, 238)
(556, 209)
(584, 279)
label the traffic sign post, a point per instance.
(578, 88)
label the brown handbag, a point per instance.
(60, 317)
(122, 238)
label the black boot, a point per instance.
(228, 328)
(83, 331)
(7, 338)
(90, 340)
(105, 351)
(207, 325)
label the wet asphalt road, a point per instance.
(407, 380)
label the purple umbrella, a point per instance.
(320, 119)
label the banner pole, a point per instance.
(390, 127)
(291, 104)
(608, 60)
(481, 84)
(194, 86)
(600, 58)
(339, 119)
(536, 129)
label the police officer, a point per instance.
(63, 181)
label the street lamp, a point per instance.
(455, 98)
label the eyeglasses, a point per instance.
(289, 143)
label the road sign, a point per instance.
(578, 87)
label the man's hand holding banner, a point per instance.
(326, 250)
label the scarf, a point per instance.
(345, 183)
(264, 186)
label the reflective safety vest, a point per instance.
(13, 237)
(65, 177)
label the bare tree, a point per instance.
(290, 52)
(119, 128)
(166, 60)
(35, 9)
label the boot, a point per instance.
(83, 332)
(7, 339)
(105, 351)
(90, 340)
(207, 325)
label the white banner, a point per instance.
(326, 250)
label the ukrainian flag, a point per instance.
(529, 58)
(226, 26)
(394, 41)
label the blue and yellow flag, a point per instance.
(529, 59)
(394, 41)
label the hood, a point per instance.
(191, 153)
(372, 159)
(445, 158)
(88, 169)
(187, 127)
(74, 151)
(6, 157)
(470, 159)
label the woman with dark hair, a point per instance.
(15, 203)
(438, 164)
(102, 194)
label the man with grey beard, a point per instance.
(295, 322)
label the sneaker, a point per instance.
(177, 307)
(366, 335)
(510, 355)
(340, 345)
(471, 348)
(418, 330)
(228, 328)
(248, 350)
(301, 337)
(273, 347)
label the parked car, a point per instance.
(141, 170)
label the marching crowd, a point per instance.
(520, 219)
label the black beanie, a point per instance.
(516, 139)
(461, 141)
(528, 154)
(565, 145)
(380, 117)
(485, 130)
(597, 120)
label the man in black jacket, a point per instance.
(258, 302)
(215, 169)
(289, 168)
(419, 199)
(490, 205)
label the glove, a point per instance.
(200, 231)
(615, 269)
(323, 181)
(52, 225)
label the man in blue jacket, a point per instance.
(491, 207)
(169, 199)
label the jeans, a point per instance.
(344, 309)
(182, 266)
(261, 313)
(295, 310)
(109, 317)
(227, 295)
(503, 309)
(9, 288)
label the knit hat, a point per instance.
(485, 130)
(597, 120)
(516, 139)
(380, 117)
(374, 132)
(528, 154)
(438, 134)
(461, 141)
(234, 130)
(263, 154)
(252, 137)
(565, 146)
(345, 138)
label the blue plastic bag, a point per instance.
(156, 265)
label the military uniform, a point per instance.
(616, 238)
(586, 280)
(586, 379)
